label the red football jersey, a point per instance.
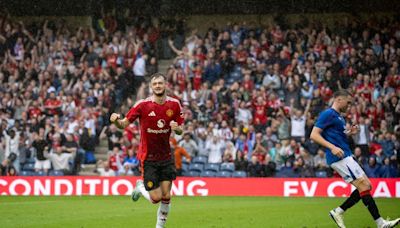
(154, 126)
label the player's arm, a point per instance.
(317, 137)
(178, 129)
(115, 118)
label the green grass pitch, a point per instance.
(120, 211)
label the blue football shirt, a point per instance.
(333, 126)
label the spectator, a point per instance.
(298, 122)
(52, 104)
(214, 147)
(71, 146)
(41, 148)
(229, 154)
(254, 168)
(114, 136)
(201, 140)
(12, 147)
(388, 169)
(387, 143)
(87, 143)
(189, 144)
(362, 139)
(371, 168)
(104, 169)
(130, 163)
(115, 160)
(139, 70)
(59, 160)
(179, 154)
(320, 161)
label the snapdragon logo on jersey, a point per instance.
(186, 186)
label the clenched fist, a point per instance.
(173, 125)
(114, 117)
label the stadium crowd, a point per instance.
(250, 94)
(59, 84)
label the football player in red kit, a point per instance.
(158, 115)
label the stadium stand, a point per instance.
(250, 93)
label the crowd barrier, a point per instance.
(191, 186)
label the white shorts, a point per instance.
(349, 169)
(45, 164)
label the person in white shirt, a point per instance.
(60, 160)
(225, 132)
(12, 146)
(139, 70)
(215, 148)
(243, 114)
(272, 81)
(298, 122)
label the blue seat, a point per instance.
(239, 174)
(196, 167)
(26, 173)
(208, 173)
(212, 167)
(40, 173)
(56, 173)
(29, 167)
(31, 160)
(321, 174)
(227, 167)
(200, 160)
(185, 167)
(184, 161)
(193, 173)
(224, 174)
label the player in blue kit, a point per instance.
(330, 132)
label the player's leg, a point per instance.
(341, 167)
(168, 174)
(149, 187)
(363, 185)
(165, 205)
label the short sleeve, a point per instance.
(323, 120)
(134, 112)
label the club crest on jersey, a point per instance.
(169, 112)
(160, 123)
(149, 184)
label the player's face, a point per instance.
(345, 103)
(158, 86)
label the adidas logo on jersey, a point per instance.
(152, 113)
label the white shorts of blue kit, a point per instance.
(348, 168)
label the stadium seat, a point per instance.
(26, 173)
(184, 161)
(321, 174)
(224, 174)
(31, 160)
(212, 167)
(29, 167)
(40, 173)
(56, 173)
(239, 174)
(200, 160)
(227, 167)
(185, 167)
(196, 167)
(208, 173)
(193, 173)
